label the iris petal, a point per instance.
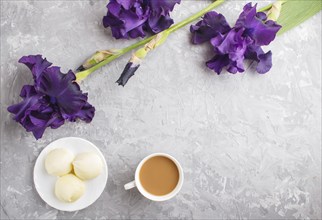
(264, 60)
(134, 18)
(64, 89)
(243, 41)
(86, 114)
(35, 63)
(159, 23)
(30, 98)
(210, 26)
(261, 31)
(54, 98)
(218, 62)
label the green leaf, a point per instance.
(294, 12)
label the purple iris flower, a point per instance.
(232, 45)
(54, 98)
(133, 18)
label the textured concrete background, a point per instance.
(250, 144)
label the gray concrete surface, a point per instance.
(250, 144)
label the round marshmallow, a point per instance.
(69, 188)
(59, 162)
(87, 165)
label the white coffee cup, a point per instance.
(137, 182)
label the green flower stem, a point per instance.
(83, 74)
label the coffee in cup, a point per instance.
(158, 177)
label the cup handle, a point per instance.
(130, 185)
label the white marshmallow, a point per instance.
(59, 162)
(87, 165)
(69, 188)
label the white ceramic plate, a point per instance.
(45, 183)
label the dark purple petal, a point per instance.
(114, 8)
(109, 20)
(232, 45)
(30, 98)
(233, 42)
(263, 33)
(56, 120)
(35, 63)
(256, 27)
(163, 6)
(39, 127)
(132, 18)
(261, 15)
(264, 60)
(157, 23)
(127, 4)
(131, 21)
(210, 26)
(235, 66)
(62, 90)
(33, 114)
(247, 15)
(52, 99)
(218, 62)
(117, 34)
(37, 121)
(124, 21)
(28, 91)
(86, 114)
(136, 32)
(216, 41)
